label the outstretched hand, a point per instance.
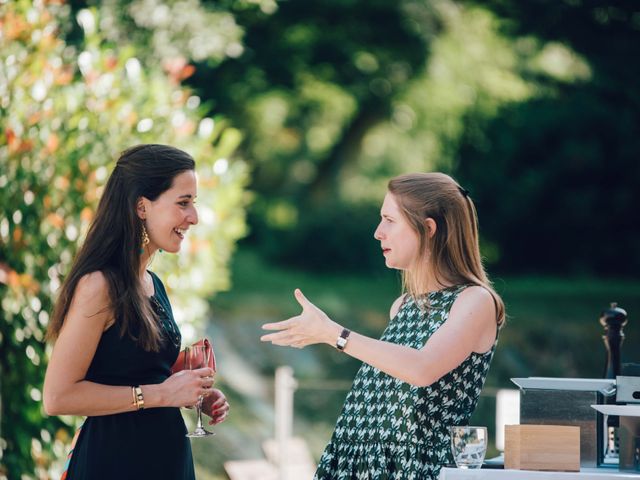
(310, 327)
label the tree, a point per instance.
(564, 172)
(314, 78)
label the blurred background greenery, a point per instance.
(298, 112)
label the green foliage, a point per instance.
(472, 71)
(336, 237)
(562, 187)
(529, 107)
(318, 144)
(66, 113)
(314, 78)
(171, 30)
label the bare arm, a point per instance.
(66, 392)
(471, 326)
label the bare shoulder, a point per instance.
(476, 293)
(93, 285)
(91, 297)
(396, 305)
(476, 301)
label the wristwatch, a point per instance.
(341, 342)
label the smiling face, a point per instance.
(399, 241)
(168, 217)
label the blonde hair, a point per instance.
(452, 254)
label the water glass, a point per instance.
(468, 445)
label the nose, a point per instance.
(192, 218)
(378, 234)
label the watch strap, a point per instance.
(341, 342)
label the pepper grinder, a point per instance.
(612, 319)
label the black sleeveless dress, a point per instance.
(139, 445)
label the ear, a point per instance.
(141, 208)
(431, 226)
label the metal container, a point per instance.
(628, 433)
(628, 389)
(567, 401)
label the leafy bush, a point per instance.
(66, 113)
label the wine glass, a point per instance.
(468, 445)
(199, 356)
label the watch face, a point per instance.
(341, 342)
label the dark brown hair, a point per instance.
(112, 245)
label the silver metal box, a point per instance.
(567, 401)
(628, 389)
(628, 434)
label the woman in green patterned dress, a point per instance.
(428, 368)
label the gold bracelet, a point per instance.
(139, 397)
(133, 393)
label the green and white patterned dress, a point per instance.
(389, 429)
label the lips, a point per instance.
(385, 250)
(180, 232)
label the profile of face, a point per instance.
(399, 241)
(168, 217)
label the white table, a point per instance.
(496, 474)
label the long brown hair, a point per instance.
(452, 255)
(112, 245)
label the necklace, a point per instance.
(167, 323)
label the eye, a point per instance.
(184, 203)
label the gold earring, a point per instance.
(145, 238)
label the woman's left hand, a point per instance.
(216, 406)
(310, 327)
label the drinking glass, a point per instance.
(197, 356)
(468, 445)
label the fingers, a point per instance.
(285, 339)
(281, 338)
(302, 300)
(207, 382)
(217, 420)
(216, 412)
(218, 404)
(203, 380)
(219, 401)
(217, 409)
(203, 372)
(268, 338)
(283, 325)
(219, 415)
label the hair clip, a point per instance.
(464, 192)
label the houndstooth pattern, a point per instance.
(391, 430)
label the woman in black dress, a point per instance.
(115, 336)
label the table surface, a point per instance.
(491, 474)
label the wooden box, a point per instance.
(542, 447)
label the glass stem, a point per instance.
(199, 409)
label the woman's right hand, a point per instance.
(183, 389)
(310, 327)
